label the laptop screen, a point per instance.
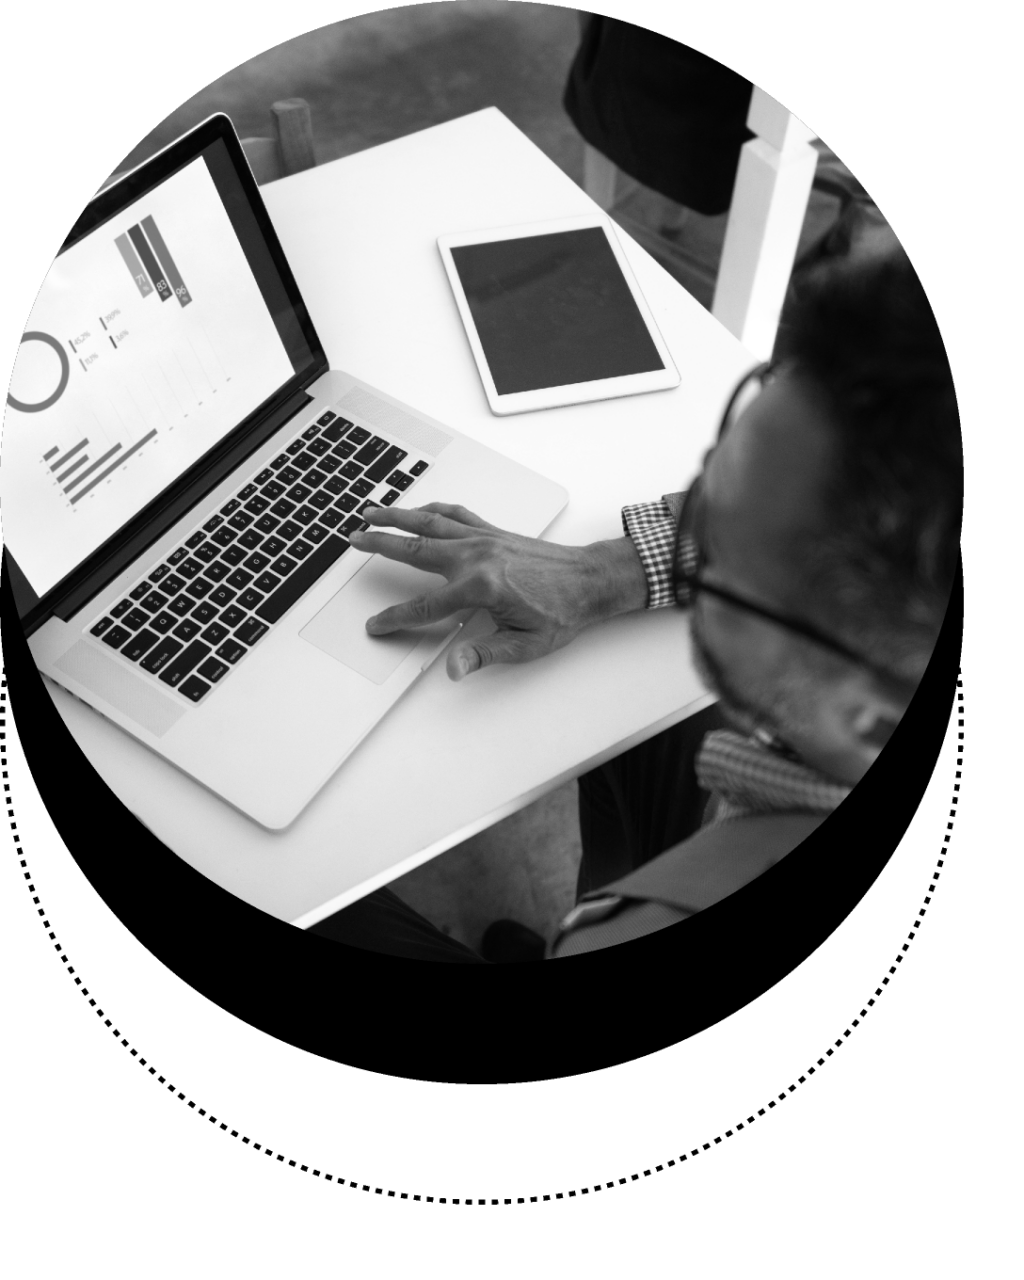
(154, 336)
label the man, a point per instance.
(816, 553)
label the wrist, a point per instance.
(615, 579)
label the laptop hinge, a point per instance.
(154, 522)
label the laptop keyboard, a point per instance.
(196, 615)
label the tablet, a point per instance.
(554, 315)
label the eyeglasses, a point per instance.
(689, 555)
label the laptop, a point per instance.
(181, 474)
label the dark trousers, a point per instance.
(631, 809)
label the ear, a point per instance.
(872, 721)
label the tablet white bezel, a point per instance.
(570, 393)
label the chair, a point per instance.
(289, 150)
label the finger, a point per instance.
(500, 646)
(418, 520)
(422, 553)
(425, 609)
(462, 515)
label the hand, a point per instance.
(540, 594)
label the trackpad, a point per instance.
(340, 627)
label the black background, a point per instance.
(112, 915)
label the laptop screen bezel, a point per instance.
(92, 574)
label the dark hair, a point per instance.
(857, 324)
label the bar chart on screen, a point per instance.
(148, 342)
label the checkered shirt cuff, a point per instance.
(652, 526)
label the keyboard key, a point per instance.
(224, 537)
(250, 539)
(116, 636)
(186, 629)
(315, 534)
(315, 477)
(418, 468)
(104, 624)
(318, 447)
(304, 514)
(280, 461)
(257, 561)
(214, 522)
(295, 447)
(230, 508)
(220, 597)
(289, 530)
(214, 634)
(297, 493)
(347, 502)
(177, 555)
(387, 462)
(334, 432)
(362, 487)
(207, 552)
(353, 525)
(199, 588)
(344, 450)
(390, 497)
(257, 504)
(172, 585)
(373, 448)
(195, 539)
(211, 670)
(351, 471)
(231, 651)
(358, 435)
(135, 618)
(154, 601)
(161, 654)
(283, 508)
(182, 663)
(312, 432)
(320, 500)
(139, 644)
(399, 479)
(239, 579)
(272, 490)
(303, 461)
(181, 605)
(232, 616)
(263, 476)
(247, 492)
(299, 549)
(194, 688)
(161, 571)
(240, 520)
(203, 613)
(289, 475)
(282, 566)
(331, 518)
(267, 523)
(336, 485)
(250, 599)
(323, 420)
(233, 555)
(189, 568)
(266, 582)
(274, 546)
(251, 630)
(329, 463)
(163, 622)
(217, 571)
(298, 583)
(138, 592)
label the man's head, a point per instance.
(833, 499)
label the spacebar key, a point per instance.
(313, 567)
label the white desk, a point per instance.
(450, 759)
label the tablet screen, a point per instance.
(553, 309)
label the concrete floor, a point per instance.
(377, 77)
